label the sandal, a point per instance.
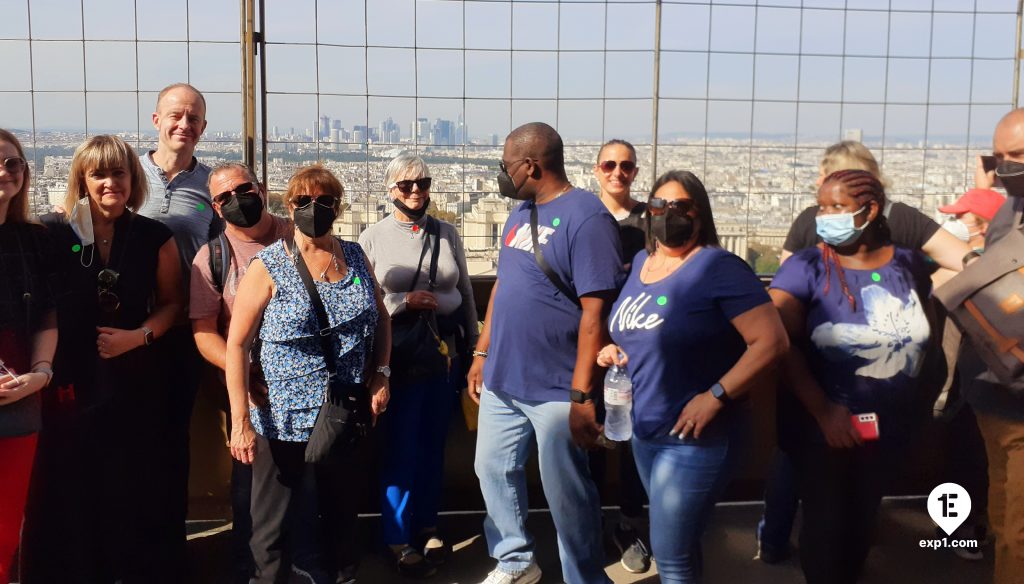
(412, 564)
(435, 549)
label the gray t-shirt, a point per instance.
(393, 248)
(184, 205)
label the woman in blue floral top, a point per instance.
(854, 307)
(272, 435)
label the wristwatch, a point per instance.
(384, 370)
(970, 256)
(580, 397)
(147, 335)
(719, 392)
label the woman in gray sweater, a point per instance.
(424, 385)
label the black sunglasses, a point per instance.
(246, 188)
(659, 206)
(106, 281)
(405, 186)
(329, 201)
(14, 164)
(627, 166)
(504, 167)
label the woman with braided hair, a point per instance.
(854, 310)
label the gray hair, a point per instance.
(226, 166)
(403, 165)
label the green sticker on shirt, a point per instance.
(201, 207)
(76, 248)
(662, 300)
(876, 277)
(556, 221)
(357, 280)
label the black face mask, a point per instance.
(670, 229)
(414, 214)
(243, 210)
(1011, 174)
(507, 187)
(314, 220)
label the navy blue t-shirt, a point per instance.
(678, 332)
(867, 358)
(533, 326)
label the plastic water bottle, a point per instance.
(618, 404)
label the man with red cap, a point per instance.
(972, 213)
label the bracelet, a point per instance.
(970, 256)
(480, 353)
(33, 366)
(45, 371)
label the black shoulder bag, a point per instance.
(345, 413)
(543, 264)
(417, 351)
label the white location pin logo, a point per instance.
(949, 505)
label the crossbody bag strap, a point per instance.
(433, 230)
(419, 266)
(323, 324)
(543, 264)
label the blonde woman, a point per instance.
(120, 290)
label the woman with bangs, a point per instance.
(28, 337)
(120, 290)
(292, 499)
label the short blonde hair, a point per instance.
(105, 152)
(312, 178)
(17, 210)
(850, 155)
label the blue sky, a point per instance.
(726, 68)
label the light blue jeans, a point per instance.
(684, 479)
(506, 427)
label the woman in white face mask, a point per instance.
(853, 307)
(971, 214)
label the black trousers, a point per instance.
(299, 508)
(841, 490)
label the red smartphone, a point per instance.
(866, 425)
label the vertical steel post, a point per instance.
(657, 90)
(1016, 57)
(248, 49)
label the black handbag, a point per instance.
(344, 415)
(417, 348)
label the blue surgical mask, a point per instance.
(838, 229)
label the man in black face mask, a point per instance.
(533, 371)
(240, 200)
(999, 410)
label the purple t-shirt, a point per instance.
(678, 332)
(533, 326)
(866, 359)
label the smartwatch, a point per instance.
(384, 370)
(580, 397)
(147, 335)
(719, 392)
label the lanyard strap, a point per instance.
(543, 264)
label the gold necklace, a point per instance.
(332, 261)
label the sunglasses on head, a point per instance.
(658, 206)
(246, 188)
(405, 186)
(329, 201)
(627, 166)
(14, 164)
(106, 281)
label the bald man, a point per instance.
(1000, 410)
(545, 323)
(179, 198)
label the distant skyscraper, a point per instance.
(422, 130)
(325, 127)
(494, 139)
(335, 124)
(855, 134)
(441, 133)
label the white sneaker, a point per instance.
(531, 575)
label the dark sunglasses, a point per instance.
(504, 167)
(106, 281)
(659, 206)
(246, 188)
(329, 201)
(627, 166)
(405, 186)
(14, 164)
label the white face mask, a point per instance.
(958, 228)
(81, 224)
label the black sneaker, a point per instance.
(412, 564)
(435, 550)
(636, 558)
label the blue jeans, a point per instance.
(683, 479)
(412, 459)
(506, 426)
